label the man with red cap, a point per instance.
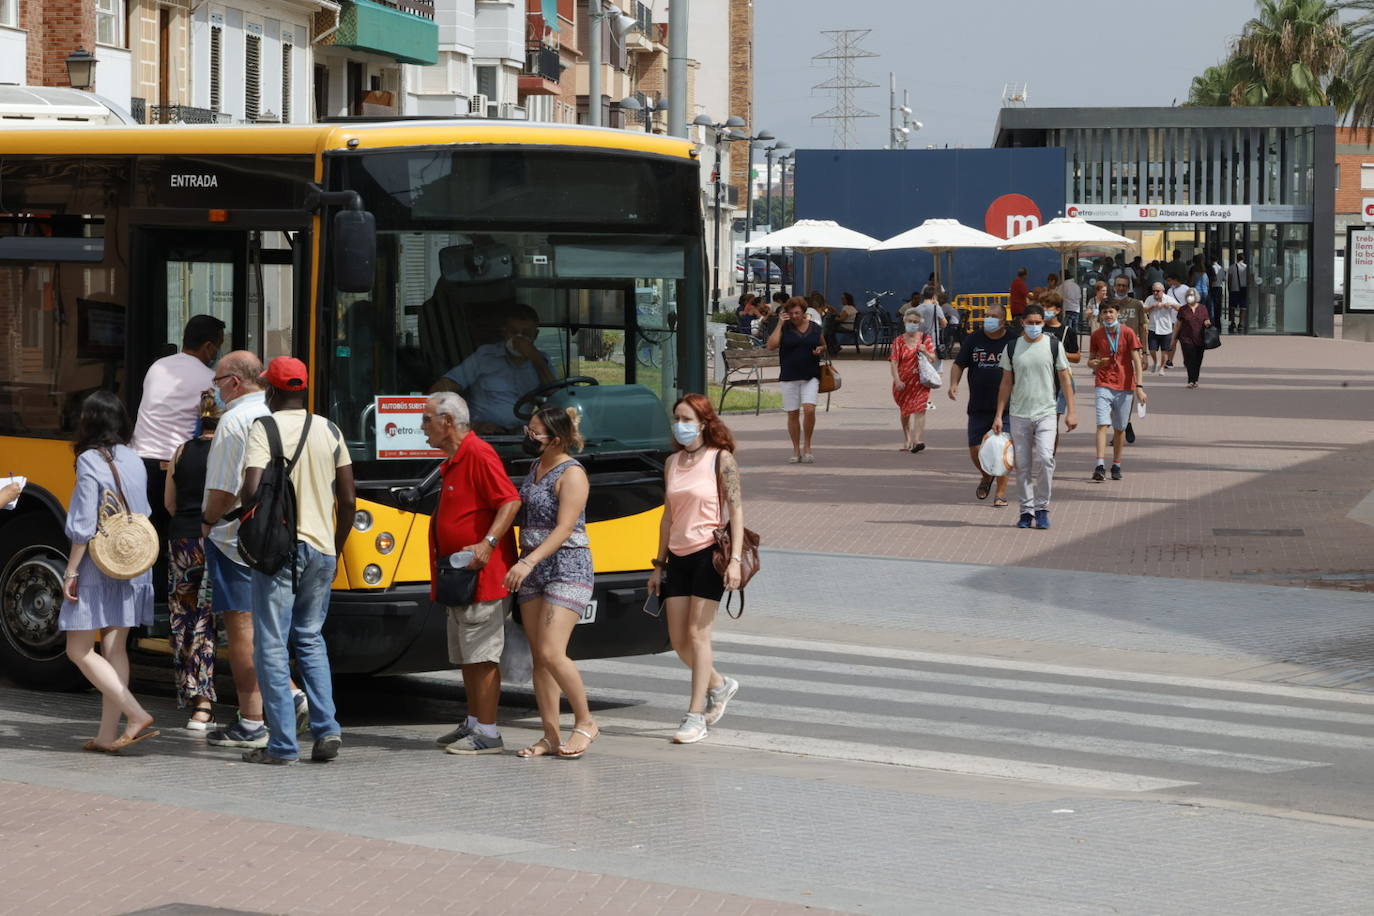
(288, 620)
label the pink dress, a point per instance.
(915, 397)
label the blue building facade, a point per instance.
(885, 192)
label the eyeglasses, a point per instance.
(538, 436)
(219, 378)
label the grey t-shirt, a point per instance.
(1032, 392)
(925, 313)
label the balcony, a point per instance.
(185, 114)
(403, 30)
(542, 70)
(139, 109)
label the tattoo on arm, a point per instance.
(729, 471)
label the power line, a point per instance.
(845, 112)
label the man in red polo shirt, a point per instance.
(1017, 298)
(477, 506)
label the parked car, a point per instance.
(760, 271)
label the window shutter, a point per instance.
(252, 66)
(286, 50)
(216, 63)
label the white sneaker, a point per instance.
(692, 729)
(718, 697)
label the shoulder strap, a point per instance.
(274, 446)
(1011, 353)
(300, 445)
(119, 484)
(720, 488)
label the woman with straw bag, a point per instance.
(108, 585)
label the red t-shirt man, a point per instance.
(475, 485)
(1019, 293)
(1118, 373)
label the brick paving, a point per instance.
(74, 853)
(1276, 437)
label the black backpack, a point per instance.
(267, 530)
(1054, 359)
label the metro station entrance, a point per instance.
(1278, 255)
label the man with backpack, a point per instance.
(1034, 370)
(1114, 355)
(299, 501)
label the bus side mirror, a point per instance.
(355, 249)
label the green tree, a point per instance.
(779, 217)
(1359, 63)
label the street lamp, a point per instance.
(783, 149)
(723, 131)
(783, 159)
(80, 69)
(599, 11)
(650, 105)
(762, 136)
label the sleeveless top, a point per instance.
(539, 510)
(796, 362)
(189, 478)
(693, 498)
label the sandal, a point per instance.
(201, 725)
(530, 751)
(918, 447)
(99, 748)
(984, 488)
(124, 740)
(999, 503)
(573, 755)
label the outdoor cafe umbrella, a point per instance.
(812, 236)
(1067, 234)
(939, 236)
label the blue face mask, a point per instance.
(1111, 325)
(686, 432)
(1032, 330)
(219, 399)
(991, 324)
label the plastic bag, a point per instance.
(517, 665)
(995, 455)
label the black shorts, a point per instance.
(693, 576)
(980, 423)
(1161, 341)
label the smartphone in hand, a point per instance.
(653, 606)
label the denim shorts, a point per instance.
(231, 584)
(1114, 407)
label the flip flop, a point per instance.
(576, 754)
(528, 752)
(124, 740)
(999, 503)
(92, 746)
(984, 488)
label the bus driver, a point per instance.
(498, 374)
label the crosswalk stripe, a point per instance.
(966, 764)
(732, 638)
(917, 726)
(1079, 710)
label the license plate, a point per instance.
(588, 614)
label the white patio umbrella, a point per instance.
(1067, 234)
(815, 236)
(939, 236)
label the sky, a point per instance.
(955, 56)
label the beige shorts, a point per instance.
(477, 633)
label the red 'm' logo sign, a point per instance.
(1011, 214)
(1071, 212)
(1369, 209)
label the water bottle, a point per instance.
(461, 559)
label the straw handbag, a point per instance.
(125, 544)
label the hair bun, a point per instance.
(574, 415)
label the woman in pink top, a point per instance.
(701, 469)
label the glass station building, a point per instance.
(1206, 181)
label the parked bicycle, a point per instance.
(875, 326)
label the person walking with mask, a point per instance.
(1068, 339)
(800, 343)
(1160, 310)
(980, 357)
(1192, 319)
(702, 487)
(1031, 365)
(913, 398)
(1114, 355)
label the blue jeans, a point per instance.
(287, 623)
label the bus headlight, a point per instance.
(385, 543)
(362, 520)
(372, 574)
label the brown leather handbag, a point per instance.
(830, 378)
(748, 551)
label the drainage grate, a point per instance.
(1258, 532)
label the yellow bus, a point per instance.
(384, 255)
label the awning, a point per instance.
(376, 29)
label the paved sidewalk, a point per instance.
(72, 853)
(1262, 474)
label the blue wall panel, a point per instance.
(886, 192)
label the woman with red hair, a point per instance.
(698, 475)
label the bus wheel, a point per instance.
(32, 648)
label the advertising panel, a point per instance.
(1166, 213)
(1359, 261)
(398, 429)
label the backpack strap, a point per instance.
(300, 445)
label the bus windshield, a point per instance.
(502, 278)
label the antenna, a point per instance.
(845, 51)
(1015, 95)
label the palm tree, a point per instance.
(1298, 48)
(1358, 74)
(1234, 81)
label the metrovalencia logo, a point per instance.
(1010, 215)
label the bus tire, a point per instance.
(32, 648)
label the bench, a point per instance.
(745, 366)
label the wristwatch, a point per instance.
(491, 540)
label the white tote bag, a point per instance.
(996, 456)
(930, 376)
